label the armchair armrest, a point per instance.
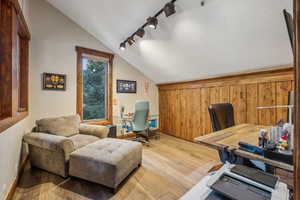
(50, 142)
(95, 130)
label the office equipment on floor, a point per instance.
(221, 116)
(229, 139)
(139, 122)
(279, 156)
(236, 187)
(255, 175)
(238, 190)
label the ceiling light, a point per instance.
(131, 41)
(152, 22)
(123, 46)
(169, 9)
(140, 32)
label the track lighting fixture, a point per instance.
(123, 46)
(140, 32)
(131, 41)
(169, 9)
(152, 22)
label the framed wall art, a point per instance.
(125, 86)
(53, 81)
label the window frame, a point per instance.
(14, 56)
(81, 51)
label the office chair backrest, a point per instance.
(221, 116)
(140, 116)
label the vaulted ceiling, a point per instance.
(223, 36)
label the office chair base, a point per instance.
(145, 142)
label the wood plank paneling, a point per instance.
(281, 99)
(251, 104)
(267, 97)
(204, 115)
(184, 106)
(238, 101)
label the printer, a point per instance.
(235, 182)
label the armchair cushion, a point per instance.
(61, 126)
(95, 130)
(81, 140)
(50, 142)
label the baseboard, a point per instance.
(14, 185)
(128, 135)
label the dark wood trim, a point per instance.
(14, 55)
(8, 122)
(12, 190)
(280, 73)
(94, 52)
(80, 51)
(16, 181)
(297, 101)
(25, 33)
(128, 135)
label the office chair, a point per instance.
(139, 122)
(221, 116)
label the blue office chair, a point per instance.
(139, 122)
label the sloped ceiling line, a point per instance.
(221, 37)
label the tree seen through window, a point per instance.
(94, 89)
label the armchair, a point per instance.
(54, 139)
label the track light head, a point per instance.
(152, 22)
(169, 9)
(131, 41)
(123, 46)
(140, 32)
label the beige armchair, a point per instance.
(54, 139)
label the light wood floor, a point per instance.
(170, 168)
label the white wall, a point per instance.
(224, 36)
(52, 49)
(54, 37)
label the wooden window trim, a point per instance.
(296, 15)
(13, 64)
(80, 51)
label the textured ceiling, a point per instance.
(222, 37)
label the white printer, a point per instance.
(233, 182)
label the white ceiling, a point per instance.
(222, 37)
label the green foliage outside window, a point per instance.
(94, 89)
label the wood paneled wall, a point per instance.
(183, 107)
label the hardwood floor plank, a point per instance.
(170, 168)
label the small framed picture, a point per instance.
(54, 81)
(125, 86)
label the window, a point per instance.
(94, 86)
(14, 48)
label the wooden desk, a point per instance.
(230, 137)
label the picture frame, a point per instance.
(126, 86)
(53, 81)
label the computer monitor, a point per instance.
(290, 26)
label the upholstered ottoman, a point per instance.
(108, 161)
